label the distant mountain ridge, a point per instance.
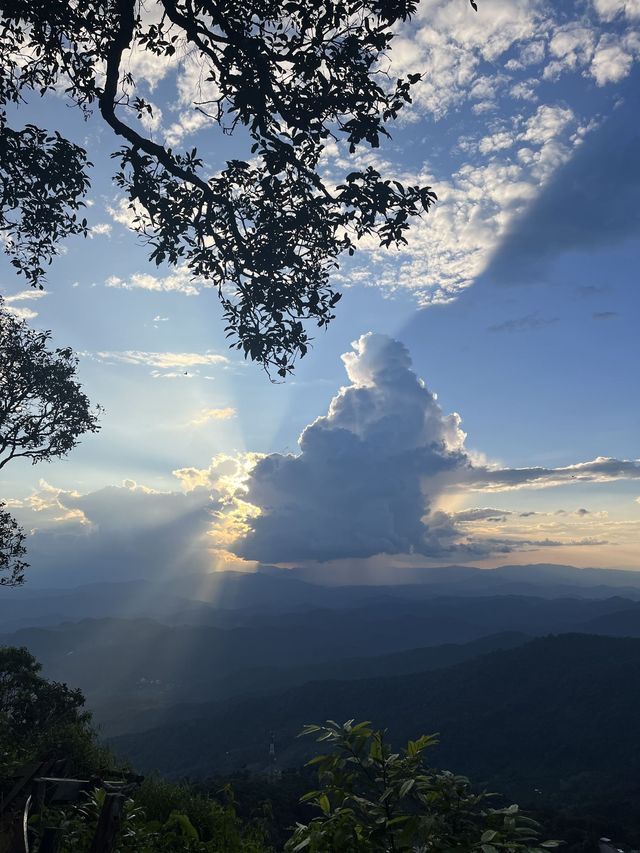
(233, 598)
(533, 573)
(549, 722)
(124, 664)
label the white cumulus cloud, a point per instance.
(372, 475)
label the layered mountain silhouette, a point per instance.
(552, 721)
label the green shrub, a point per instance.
(373, 800)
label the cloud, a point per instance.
(603, 469)
(520, 324)
(127, 213)
(478, 208)
(481, 514)
(568, 215)
(614, 57)
(100, 230)
(178, 281)
(588, 290)
(355, 489)
(499, 60)
(165, 365)
(161, 360)
(572, 47)
(452, 46)
(125, 531)
(24, 296)
(12, 303)
(604, 315)
(21, 313)
(372, 474)
(205, 416)
(491, 65)
(610, 9)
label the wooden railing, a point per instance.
(44, 784)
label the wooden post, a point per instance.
(108, 824)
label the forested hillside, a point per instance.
(132, 669)
(552, 722)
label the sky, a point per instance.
(474, 402)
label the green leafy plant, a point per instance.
(374, 799)
(42, 719)
(198, 825)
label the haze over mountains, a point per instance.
(520, 668)
(194, 598)
(520, 718)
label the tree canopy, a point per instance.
(40, 718)
(43, 409)
(43, 412)
(266, 231)
(12, 549)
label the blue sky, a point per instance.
(516, 300)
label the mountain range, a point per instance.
(552, 722)
(530, 673)
(230, 598)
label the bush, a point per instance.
(373, 800)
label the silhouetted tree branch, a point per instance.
(43, 409)
(266, 231)
(12, 550)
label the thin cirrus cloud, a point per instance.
(163, 365)
(520, 324)
(160, 360)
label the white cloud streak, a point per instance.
(178, 281)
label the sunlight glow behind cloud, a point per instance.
(371, 479)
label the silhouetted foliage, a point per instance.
(43, 410)
(266, 232)
(568, 742)
(12, 550)
(372, 798)
(42, 719)
(160, 816)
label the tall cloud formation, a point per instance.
(357, 487)
(370, 479)
(369, 473)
